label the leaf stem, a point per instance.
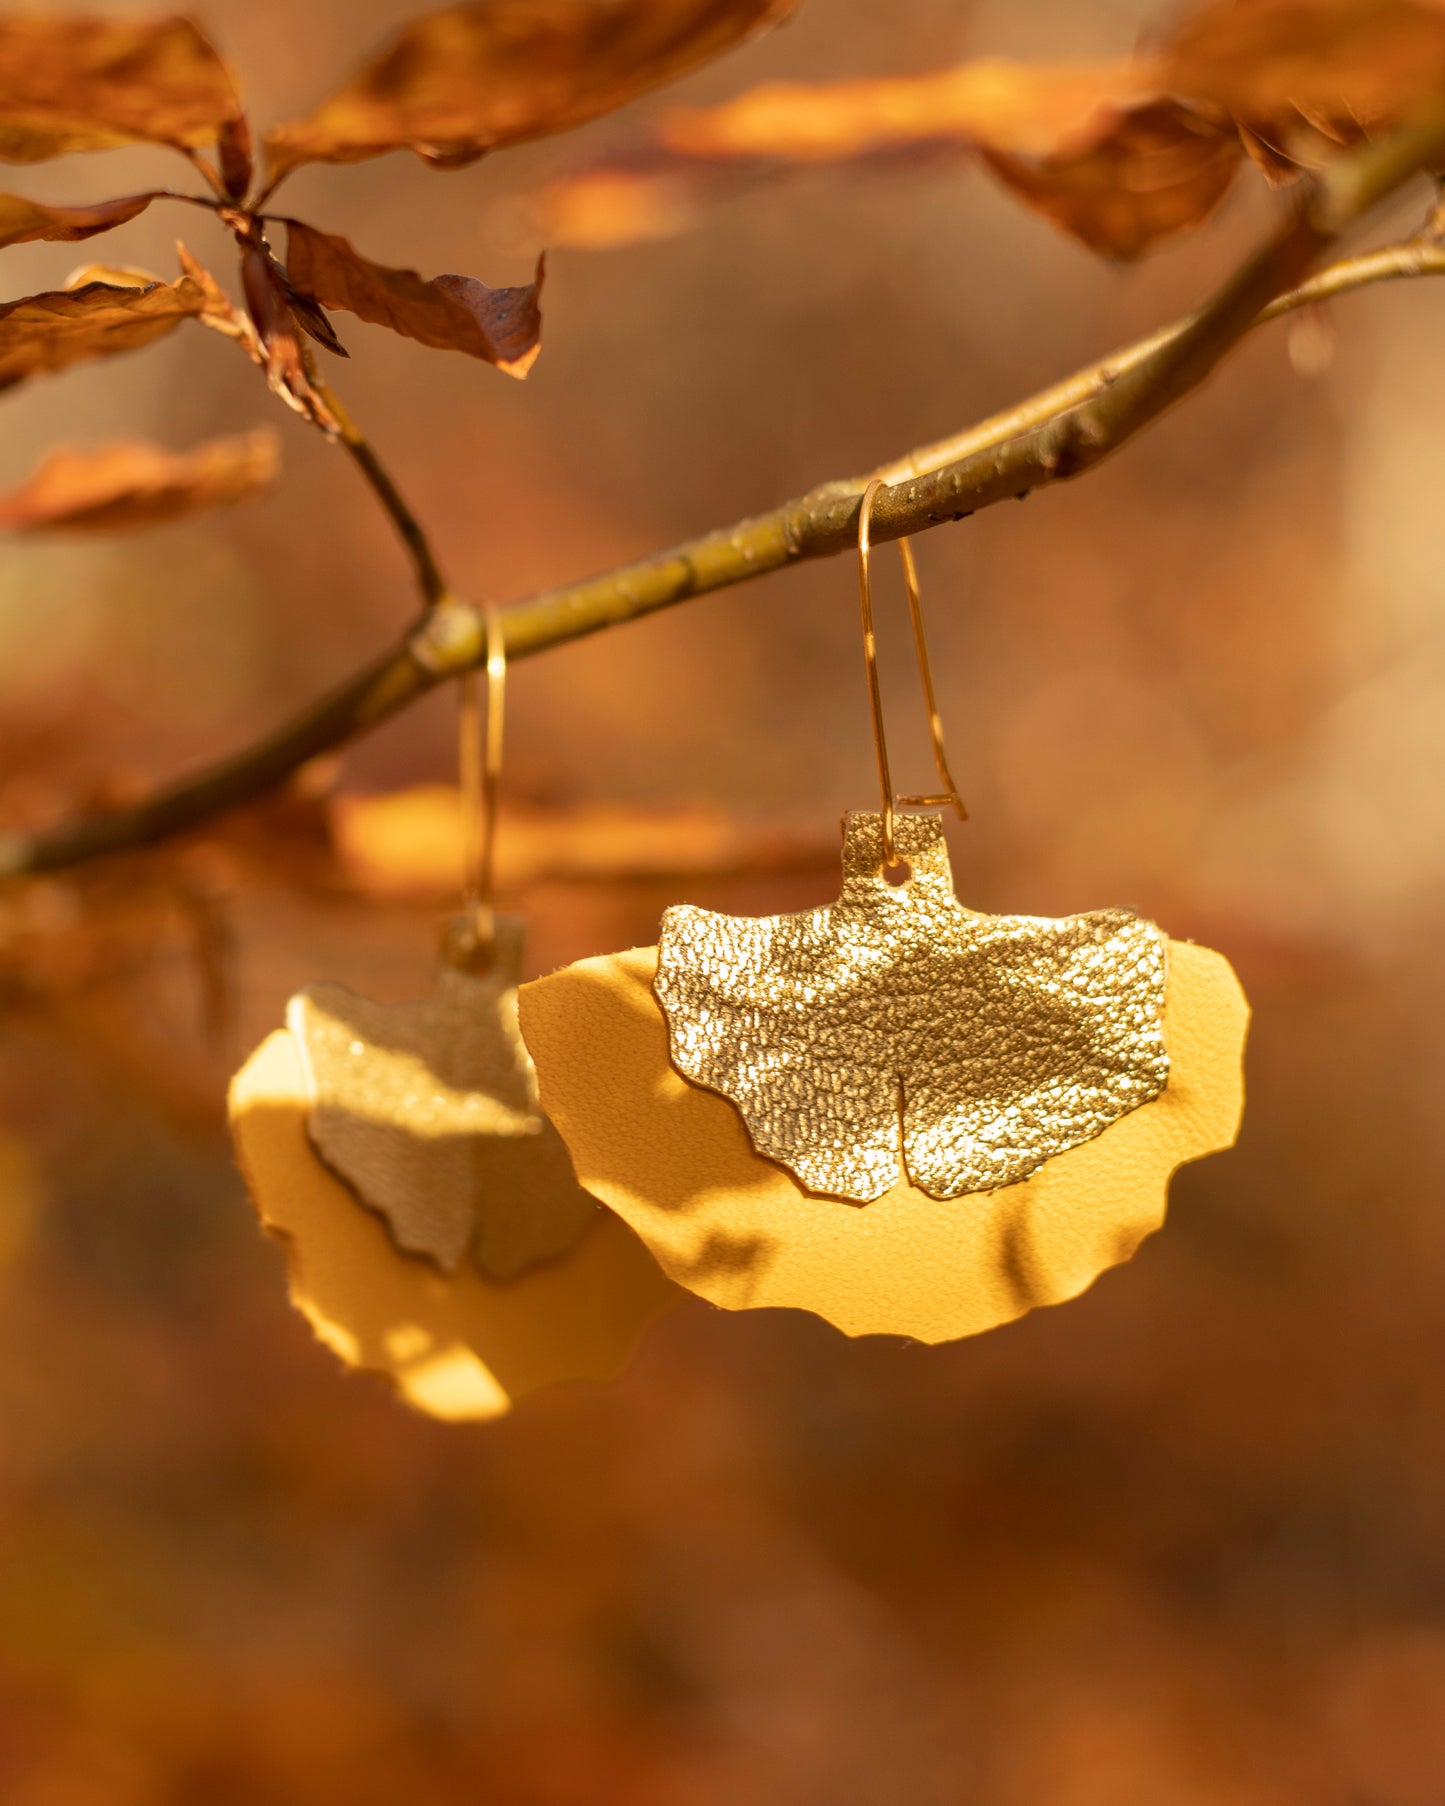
(1060, 433)
(191, 200)
(207, 170)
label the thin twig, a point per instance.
(1058, 434)
(434, 587)
(432, 584)
(1420, 256)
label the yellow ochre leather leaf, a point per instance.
(456, 1346)
(675, 1162)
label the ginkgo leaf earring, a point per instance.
(897, 1112)
(428, 1109)
(994, 1042)
(434, 1225)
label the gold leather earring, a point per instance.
(434, 1225)
(893, 1110)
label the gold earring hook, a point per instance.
(479, 757)
(950, 798)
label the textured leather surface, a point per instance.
(428, 1110)
(895, 1032)
(675, 1161)
(458, 1346)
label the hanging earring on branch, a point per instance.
(897, 1112)
(434, 1224)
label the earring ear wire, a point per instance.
(479, 760)
(950, 797)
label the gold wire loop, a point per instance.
(479, 756)
(950, 798)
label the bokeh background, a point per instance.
(1179, 1543)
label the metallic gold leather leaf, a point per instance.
(428, 1111)
(896, 1034)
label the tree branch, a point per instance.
(1060, 433)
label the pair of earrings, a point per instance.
(903, 1115)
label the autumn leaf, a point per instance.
(451, 313)
(22, 220)
(1026, 109)
(234, 156)
(269, 301)
(312, 318)
(99, 315)
(1161, 169)
(1118, 154)
(76, 84)
(1097, 148)
(403, 844)
(638, 195)
(278, 352)
(218, 311)
(1301, 78)
(459, 82)
(1361, 61)
(115, 275)
(135, 485)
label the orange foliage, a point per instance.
(138, 485)
(1119, 155)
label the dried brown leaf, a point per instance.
(1350, 62)
(135, 485)
(401, 846)
(467, 79)
(1162, 169)
(1301, 78)
(638, 196)
(78, 84)
(451, 313)
(1273, 164)
(218, 311)
(96, 317)
(1024, 109)
(404, 843)
(22, 220)
(278, 335)
(116, 275)
(313, 320)
(1119, 154)
(234, 154)
(1094, 147)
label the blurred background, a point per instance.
(1181, 1541)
